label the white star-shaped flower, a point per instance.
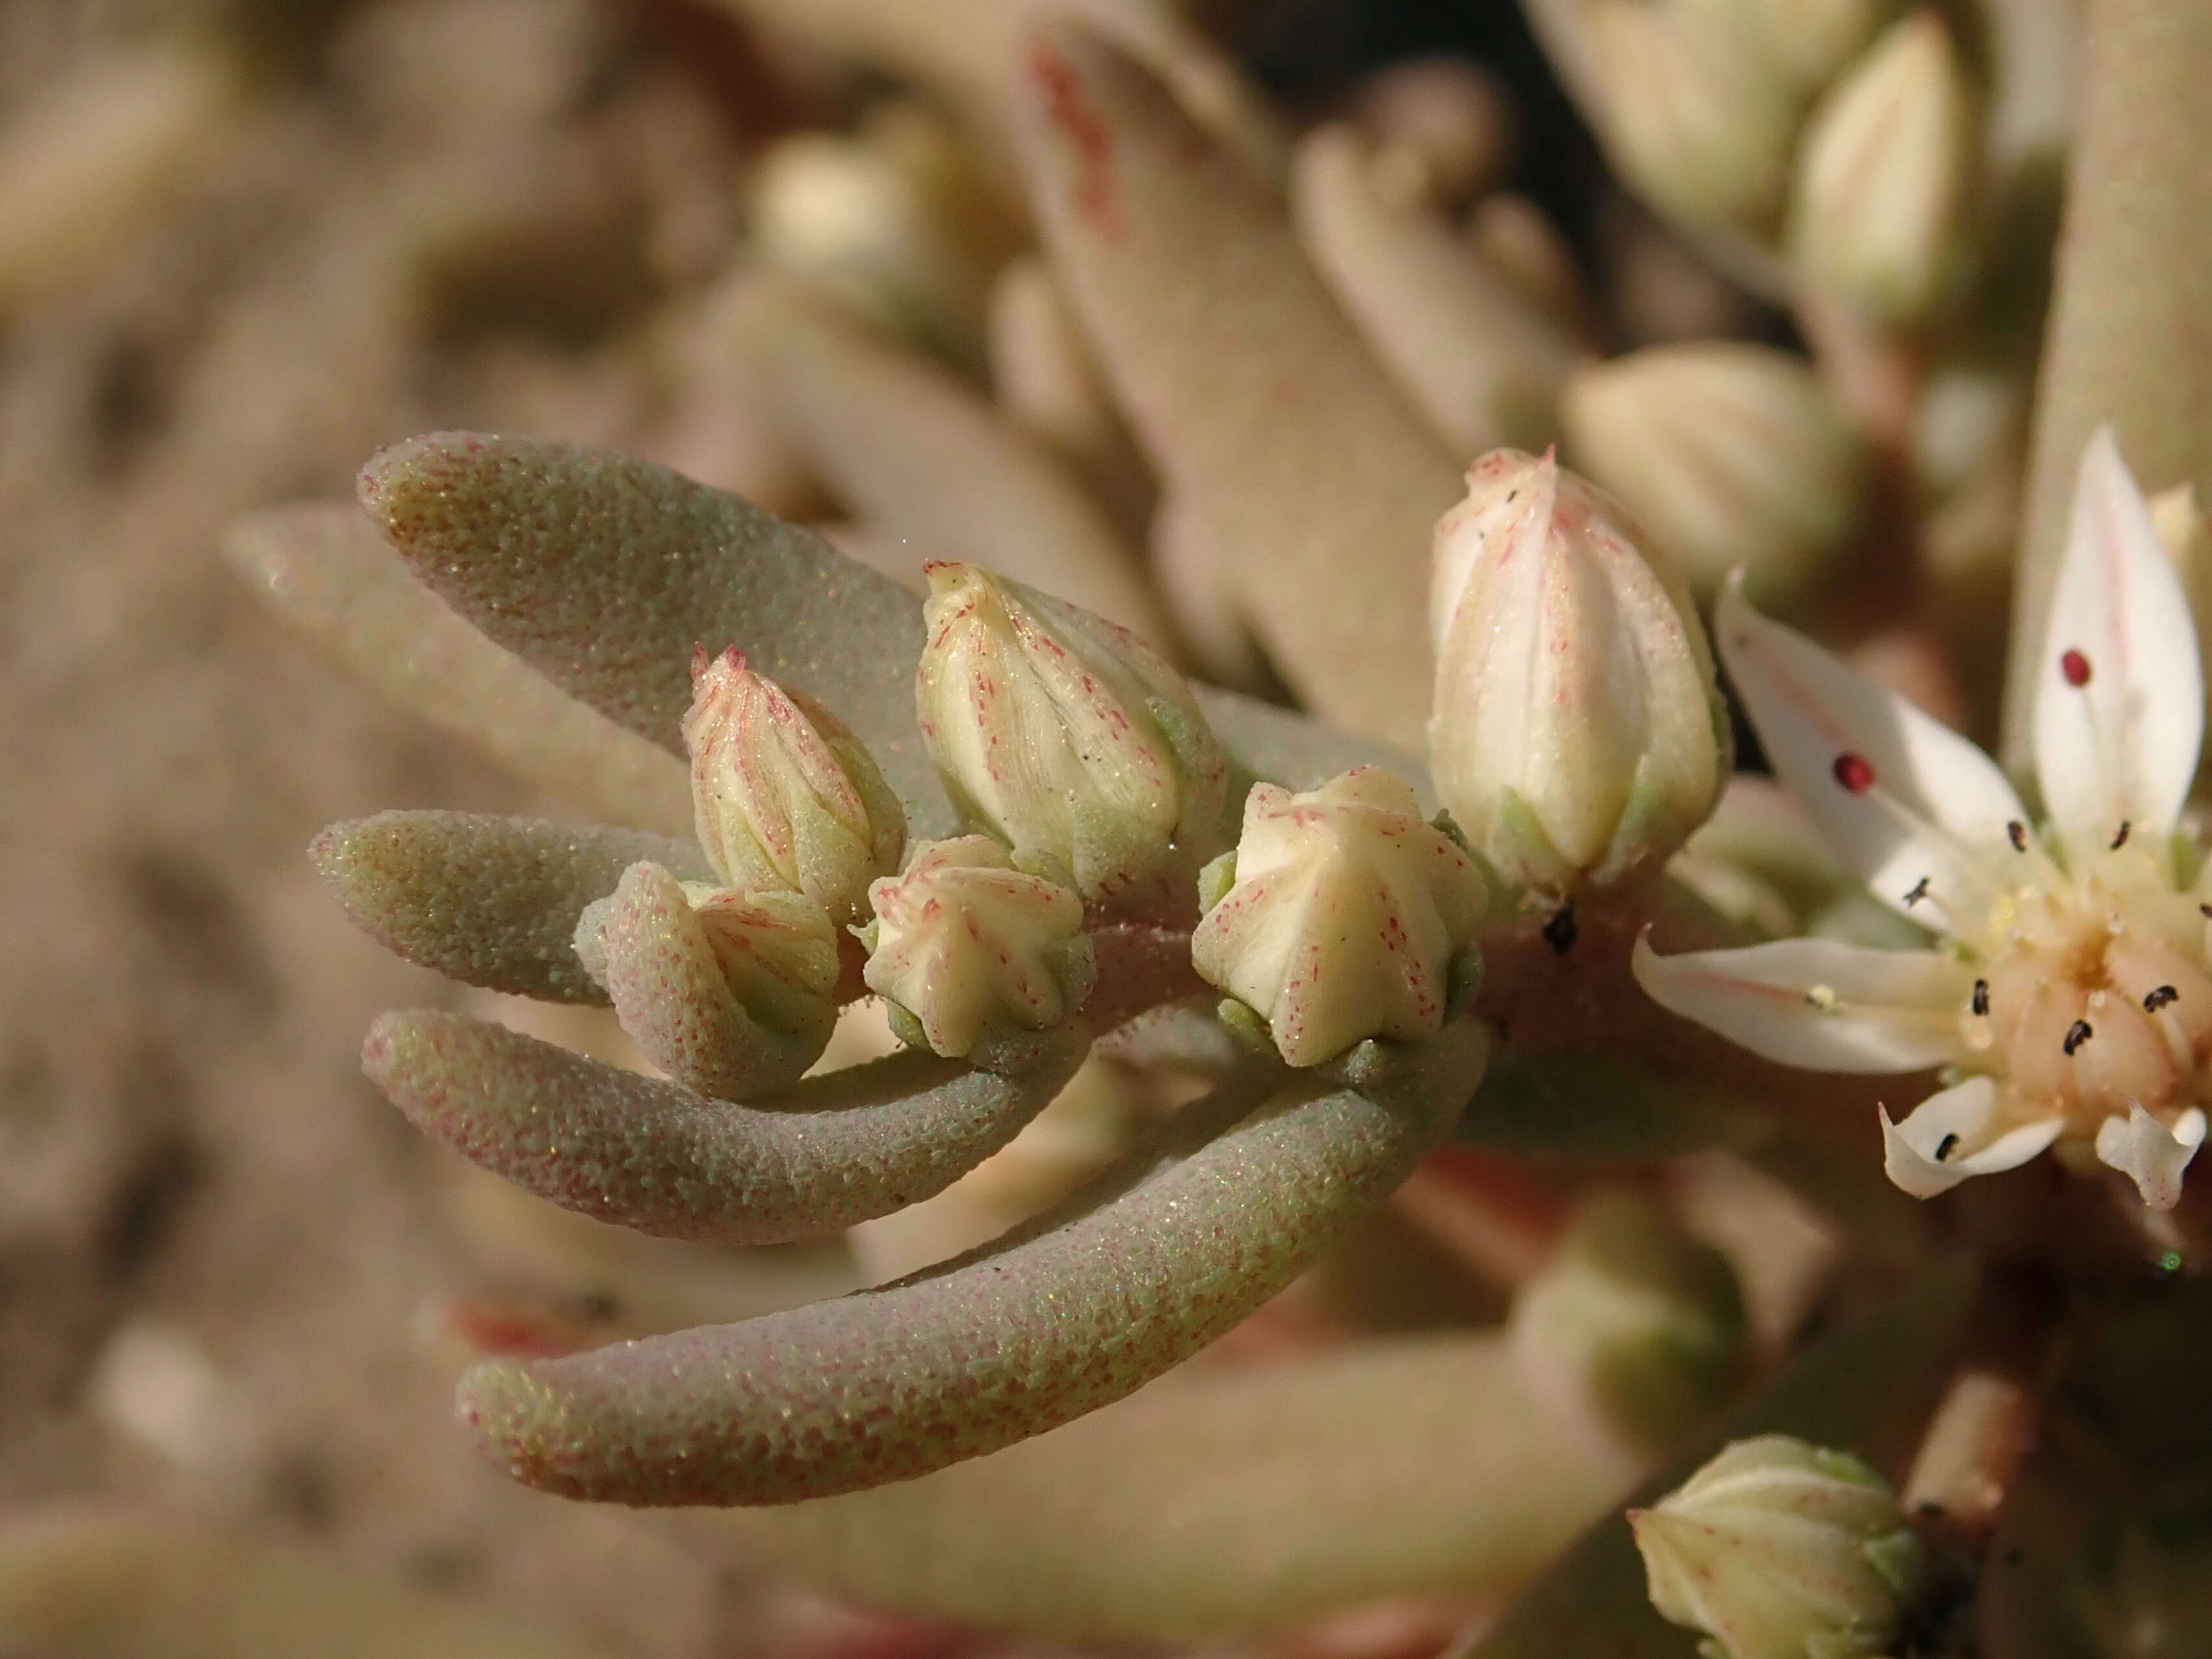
(2068, 996)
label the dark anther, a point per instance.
(2017, 831)
(2121, 839)
(1562, 930)
(2077, 1034)
(1946, 1147)
(1919, 892)
(1982, 998)
(2161, 998)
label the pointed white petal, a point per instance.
(1900, 796)
(1946, 1138)
(2119, 696)
(2150, 1154)
(1817, 1004)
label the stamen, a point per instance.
(2121, 839)
(2077, 1033)
(1919, 892)
(2075, 667)
(2205, 910)
(1854, 773)
(2017, 831)
(1982, 998)
(1561, 930)
(1946, 1147)
(1822, 997)
(2163, 996)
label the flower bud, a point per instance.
(1780, 1550)
(1699, 125)
(1579, 733)
(784, 796)
(963, 943)
(1878, 209)
(1341, 916)
(1066, 735)
(1634, 1328)
(1728, 455)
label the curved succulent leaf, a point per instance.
(1420, 1467)
(652, 1155)
(914, 449)
(486, 900)
(1867, 1389)
(603, 573)
(326, 571)
(1221, 342)
(673, 996)
(1074, 1310)
(88, 1585)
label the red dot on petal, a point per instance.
(1854, 773)
(2076, 667)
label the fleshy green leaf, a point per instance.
(1074, 1310)
(488, 901)
(1224, 1501)
(824, 1153)
(1866, 1389)
(921, 453)
(1275, 426)
(604, 573)
(81, 1585)
(326, 571)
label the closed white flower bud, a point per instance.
(1699, 122)
(1066, 736)
(965, 944)
(1634, 1329)
(1879, 206)
(1780, 1550)
(1340, 915)
(784, 797)
(1579, 733)
(1728, 455)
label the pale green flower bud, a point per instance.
(1780, 1550)
(1579, 733)
(1634, 1329)
(783, 795)
(963, 943)
(1879, 206)
(1697, 121)
(1341, 916)
(1728, 455)
(1066, 736)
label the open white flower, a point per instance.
(2068, 995)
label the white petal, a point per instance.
(2150, 1154)
(1942, 1142)
(1817, 1004)
(2121, 746)
(1900, 796)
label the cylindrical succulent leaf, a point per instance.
(825, 1153)
(785, 796)
(1579, 734)
(1066, 735)
(963, 943)
(1078, 1309)
(1341, 916)
(1780, 1550)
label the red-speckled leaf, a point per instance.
(326, 571)
(652, 1155)
(1867, 1389)
(488, 901)
(603, 573)
(1275, 426)
(1071, 1312)
(1225, 1500)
